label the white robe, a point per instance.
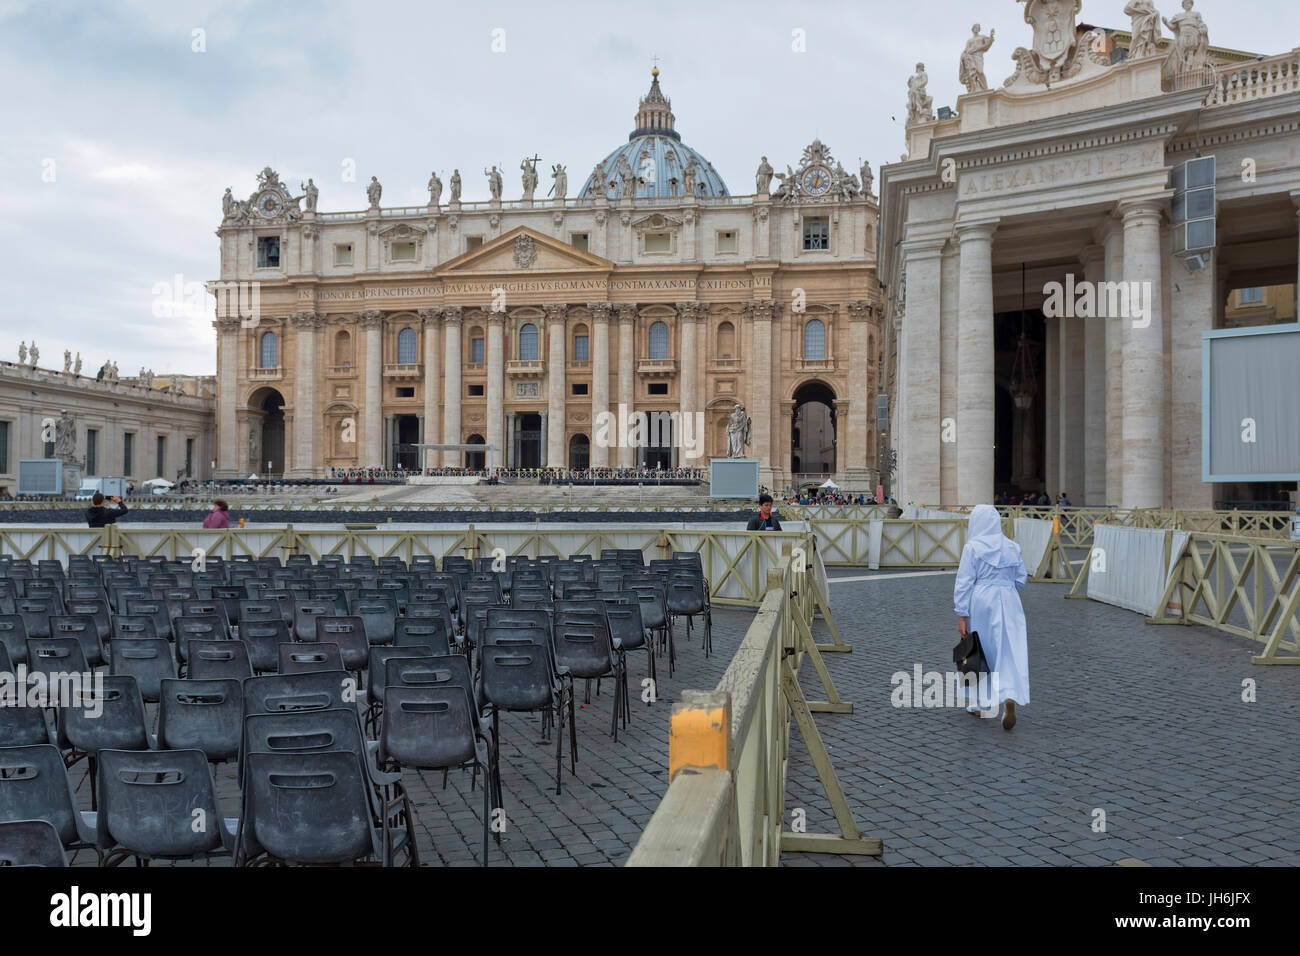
(988, 595)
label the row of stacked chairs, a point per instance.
(320, 680)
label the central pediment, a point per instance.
(521, 251)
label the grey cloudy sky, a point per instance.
(142, 134)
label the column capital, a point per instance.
(452, 315)
(370, 319)
(691, 311)
(861, 309)
(976, 230)
(601, 311)
(311, 321)
(1092, 255)
(496, 320)
(226, 323)
(760, 310)
(930, 248)
(431, 316)
(555, 311)
(626, 312)
(1142, 211)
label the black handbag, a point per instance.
(968, 655)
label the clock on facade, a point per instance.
(816, 180)
(268, 204)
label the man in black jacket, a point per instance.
(764, 520)
(97, 515)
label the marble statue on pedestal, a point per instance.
(561, 176)
(22, 353)
(971, 68)
(455, 185)
(76, 366)
(738, 432)
(34, 354)
(67, 361)
(528, 169)
(435, 189)
(1145, 28)
(920, 106)
(310, 193)
(374, 191)
(495, 184)
(1191, 39)
(763, 178)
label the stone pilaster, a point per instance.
(600, 315)
(228, 434)
(496, 387)
(688, 314)
(761, 312)
(1093, 491)
(975, 370)
(372, 451)
(556, 453)
(305, 326)
(1070, 424)
(917, 438)
(452, 316)
(853, 432)
(431, 432)
(626, 374)
(1144, 366)
(1114, 246)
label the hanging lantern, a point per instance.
(1024, 383)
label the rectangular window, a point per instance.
(658, 242)
(580, 350)
(189, 458)
(727, 241)
(476, 351)
(1251, 296)
(92, 450)
(579, 240)
(4, 446)
(579, 388)
(268, 252)
(49, 450)
(128, 440)
(475, 391)
(161, 456)
(343, 254)
(473, 242)
(403, 251)
(406, 391)
(816, 234)
(657, 388)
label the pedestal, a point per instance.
(71, 477)
(734, 478)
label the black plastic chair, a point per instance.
(375, 677)
(36, 614)
(208, 627)
(83, 629)
(34, 785)
(52, 656)
(310, 658)
(23, 726)
(31, 843)
(206, 715)
(317, 690)
(521, 677)
(159, 805)
(13, 635)
(218, 660)
(349, 634)
(584, 647)
(97, 610)
(431, 631)
(116, 722)
(379, 619)
(138, 626)
(688, 597)
(306, 614)
(150, 660)
(155, 611)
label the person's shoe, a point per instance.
(1009, 715)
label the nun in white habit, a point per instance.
(987, 601)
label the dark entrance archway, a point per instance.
(406, 435)
(528, 440)
(579, 452)
(814, 432)
(657, 440)
(475, 460)
(266, 442)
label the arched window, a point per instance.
(726, 341)
(814, 340)
(342, 349)
(528, 342)
(406, 347)
(659, 340)
(270, 350)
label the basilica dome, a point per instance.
(654, 159)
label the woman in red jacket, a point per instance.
(219, 517)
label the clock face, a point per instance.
(268, 204)
(816, 180)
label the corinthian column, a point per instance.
(600, 313)
(372, 422)
(853, 432)
(432, 319)
(496, 386)
(1144, 366)
(1094, 387)
(975, 379)
(761, 311)
(688, 314)
(451, 319)
(555, 450)
(305, 325)
(227, 390)
(626, 377)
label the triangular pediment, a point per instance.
(523, 250)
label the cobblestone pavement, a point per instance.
(1143, 722)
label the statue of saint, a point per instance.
(738, 428)
(65, 436)
(455, 185)
(763, 178)
(67, 361)
(34, 354)
(919, 104)
(627, 178)
(435, 188)
(529, 177)
(688, 176)
(1145, 28)
(561, 177)
(494, 182)
(868, 184)
(22, 353)
(76, 366)
(599, 187)
(310, 192)
(1191, 39)
(971, 69)
(374, 191)
(227, 204)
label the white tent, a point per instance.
(829, 483)
(158, 483)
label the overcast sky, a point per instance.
(119, 138)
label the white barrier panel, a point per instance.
(1033, 535)
(49, 543)
(876, 529)
(1128, 567)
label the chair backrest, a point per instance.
(446, 670)
(331, 595)
(23, 726)
(116, 721)
(686, 594)
(204, 627)
(517, 677)
(376, 667)
(36, 613)
(214, 660)
(318, 690)
(515, 616)
(309, 658)
(431, 631)
(625, 625)
(31, 843)
(349, 633)
(585, 649)
(149, 660)
(136, 626)
(13, 635)
(308, 808)
(260, 610)
(97, 610)
(379, 619)
(56, 655)
(428, 727)
(262, 640)
(154, 610)
(206, 607)
(34, 786)
(149, 802)
(83, 628)
(305, 615)
(201, 714)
